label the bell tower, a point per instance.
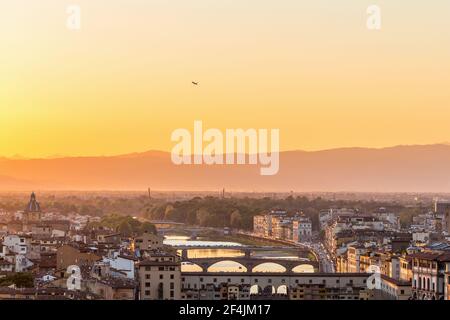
(33, 209)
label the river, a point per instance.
(230, 266)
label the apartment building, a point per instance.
(428, 275)
(160, 277)
(301, 229)
(148, 241)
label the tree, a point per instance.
(125, 229)
(168, 212)
(148, 227)
(236, 219)
(20, 279)
(203, 217)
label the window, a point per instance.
(147, 276)
(147, 292)
(161, 276)
(147, 284)
(172, 285)
(172, 276)
(171, 293)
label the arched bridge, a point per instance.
(250, 262)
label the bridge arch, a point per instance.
(271, 266)
(227, 265)
(303, 268)
(187, 266)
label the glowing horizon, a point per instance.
(122, 83)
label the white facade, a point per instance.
(122, 264)
(16, 244)
(302, 229)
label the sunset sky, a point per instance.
(310, 68)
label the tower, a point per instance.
(33, 210)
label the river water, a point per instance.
(230, 266)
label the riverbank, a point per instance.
(240, 238)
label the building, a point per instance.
(301, 229)
(428, 275)
(266, 285)
(269, 225)
(113, 288)
(278, 225)
(447, 281)
(405, 268)
(19, 244)
(33, 210)
(109, 238)
(160, 277)
(392, 289)
(122, 263)
(308, 292)
(259, 224)
(68, 255)
(6, 266)
(353, 258)
(442, 208)
(148, 241)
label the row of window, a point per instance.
(161, 276)
(171, 293)
(149, 268)
(172, 285)
(350, 281)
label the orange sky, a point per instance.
(310, 68)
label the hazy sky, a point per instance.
(310, 68)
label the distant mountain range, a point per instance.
(418, 168)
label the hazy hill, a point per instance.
(401, 168)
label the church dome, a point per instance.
(33, 205)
